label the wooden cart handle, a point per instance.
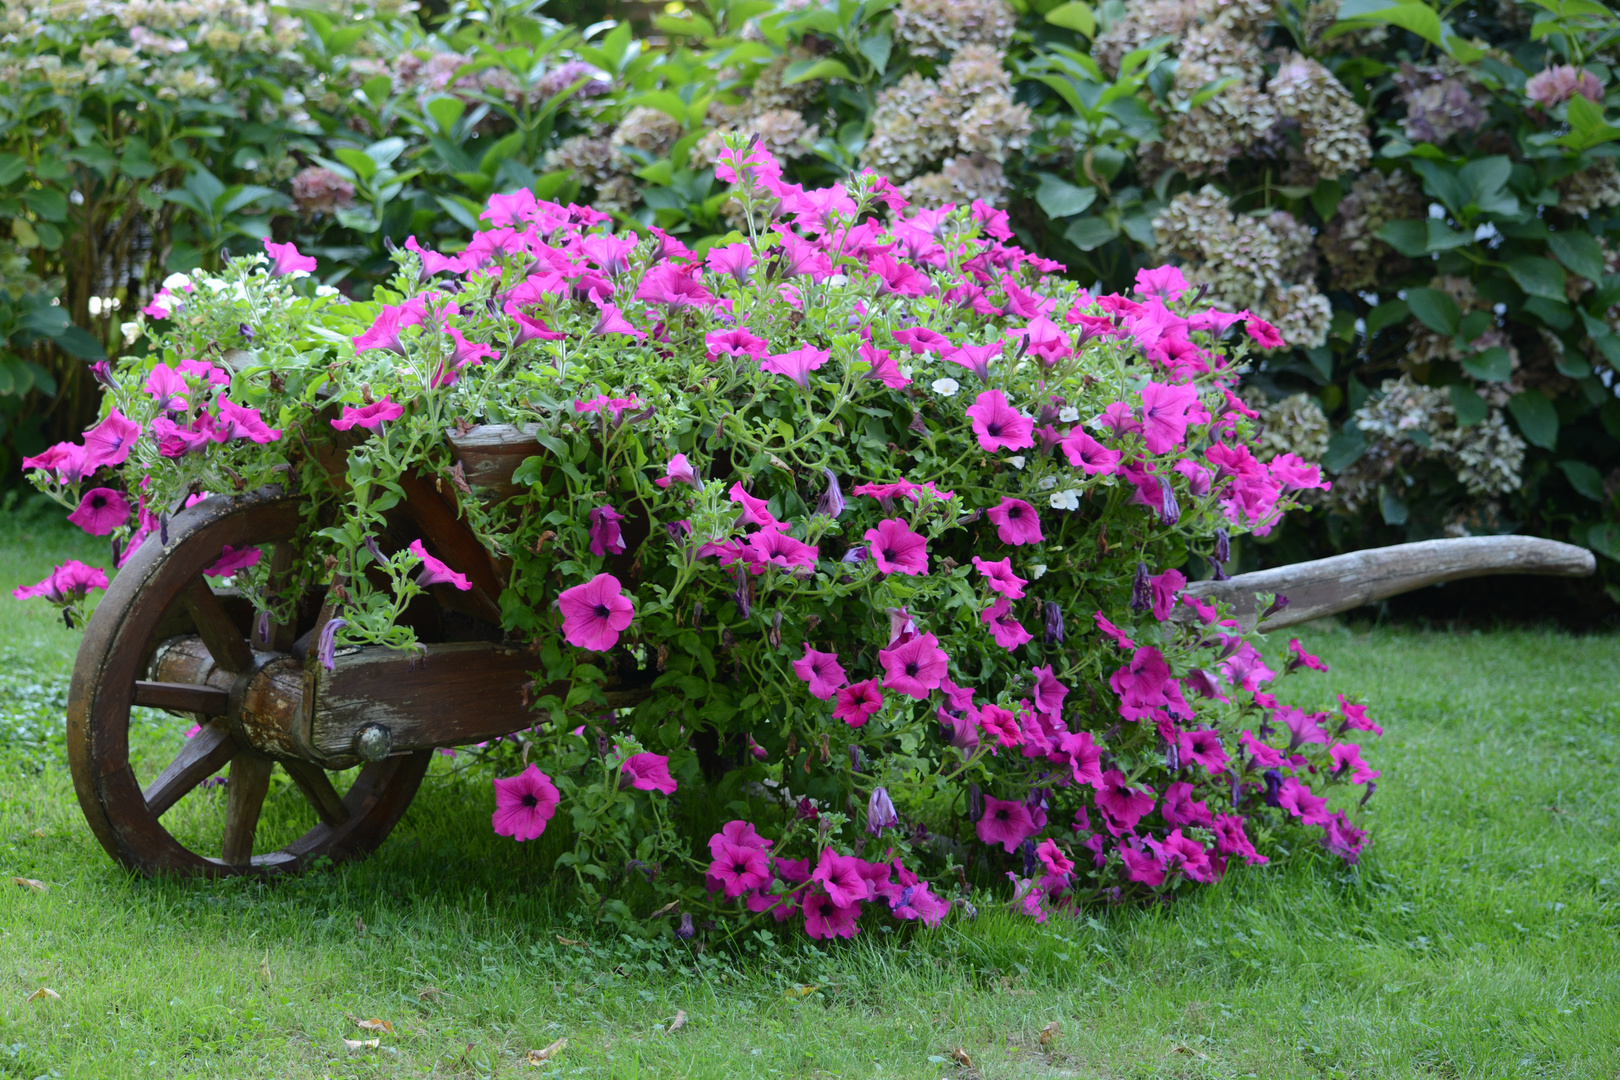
(1328, 586)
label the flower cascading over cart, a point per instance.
(834, 572)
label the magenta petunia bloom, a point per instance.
(1303, 658)
(1122, 806)
(65, 459)
(391, 321)
(738, 832)
(612, 321)
(284, 259)
(1002, 724)
(884, 368)
(435, 572)
(1342, 838)
(1180, 808)
(369, 416)
(825, 919)
(1049, 692)
(734, 342)
(606, 538)
(1164, 282)
(1303, 727)
(1261, 756)
(1166, 412)
(594, 613)
(976, 358)
(674, 286)
(1188, 855)
(233, 559)
(841, 877)
(914, 666)
(647, 772)
(100, 511)
(797, 364)
(1264, 334)
(1348, 756)
(740, 869)
(1163, 589)
(998, 425)
(1113, 631)
(1141, 865)
(858, 702)
(1204, 747)
(109, 442)
(1044, 340)
(530, 329)
(821, 671)
(772, 546)
(1230, 839)
(1007, 630)
(920, 340)
(65, 584)
(1145, 686)
(1057, 864)
(754, 511)
(1297, 799)
(524, 804)
(240, 422)
(167, 386)
(1000, 577)
(1084, 757)
(1355, 717)
(1006, 823)
(678, 471)
(896, 549)
(1016, 522)
(733, 260)
(1087, 453)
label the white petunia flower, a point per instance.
(1017, 461)
(1068, 499)
(1069, 414)
(1037, 571)
(326, 290)
(1047, 483)
(948, 387)
(176, 281)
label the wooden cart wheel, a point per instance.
(161, 578)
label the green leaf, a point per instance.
(1434, 309)
(1584, 479)
(137, 159)
(1605, 539)
(1075, 15)
(1492, 365)
(1441, 237)
(1416, 17)
(49, 203)
(1469, 406)
(805, 70)
(377, 89)
(1536, 417)
(1585, 116)
(1060, 199)
(1538, 276)
(1344, 449)
(1410, 238)
(1554, 313)
(877, 48)
(1090, 233)
(1580, 252)
(1393, 507)
(446, 111)
(76, 341)
(364, 166)
(1388, 313)
(11, 167)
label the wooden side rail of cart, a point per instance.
(164, 637)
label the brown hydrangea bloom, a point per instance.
(1333, 127)
(1355, 256)
(321, 191)
(937, 28)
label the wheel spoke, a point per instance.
(317, 788)
(250, 781)
(182, 697)
(225, 643)
(279, 636)
(204, 754)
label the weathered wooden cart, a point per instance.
(163, 637)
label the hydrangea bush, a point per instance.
(900, 520)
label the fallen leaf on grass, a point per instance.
(39, 834)
(361, 1044)
(677, 1023)
(374, 1025)
(44, 993)
(1049, 1032)
(665, 910)
(359, 925)
(30, 883)
(1190, 1050)
(540, 1057)
(960, 1056)
(800, 991)
(428, 993)
(568, 941)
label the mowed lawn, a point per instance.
(1480, 937)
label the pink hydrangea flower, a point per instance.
(857, 703)
(821, 671)
(595, 613)
(100, 511)
(647, 772)
(998, 425)
(435, 572)
(524, 804)
(1000, 577)
(914, 666)
(1016, 522)
(369, 416)
(896, 549)
(1006, 823)
(1560, 82)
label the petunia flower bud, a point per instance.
(1053, 615)
(880, 812)
(975, 806)
(832, 500)
(1141, 593)
(326, 643)
(685, 930)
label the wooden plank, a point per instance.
(317, 788)
(204, 754)
(244, 798)
(445, 695)
(214, 625)
(490, 453)
(182, 697)
(1328, 586)
(450, 540)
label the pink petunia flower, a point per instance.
(369, 416)
(754, 511)
(1342, 838)
(1000, 577)
(65, 459)
(435, 572)
(1002, 724)
(386, 330)
(100, 511)
(1180, 808)
(920, 340)
(740, 869)
(841, 877)
(738, 832)
(1163, 588)
(825, 919)
(284, 259)
(1261, 756)
(1166, 412)
(1264, 334)
(1164, 282)
(1044, 340)
(1141, 865)
(1084, 756)
(109, 442)
(611, 320)
(1204, 747)
(606, 538)
(857, 703)
(884, 368)
(675, 286)
(1087, 453)
(1006, 823)
(914, 666)
(796, 365)
(594, 613)
(678, 471)
(1113, 631)
(524, 804)
(239, 422)
(647, 772)
(528, 328)
(65, 584)
(822, 671)
(1016, 522)
(233, 559)
(998, 425)
(1145, 686)
(1348, 755)
(734, 342)
(896, 549)
(1230, 839)
(976, 358)
(1007, 630)
(1049, 691)
(733, 260)
(772, 546)
(1122, 806)
(1303, 658)
(1297, 799)
(1355, 717)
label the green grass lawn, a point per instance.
(1477, 938)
